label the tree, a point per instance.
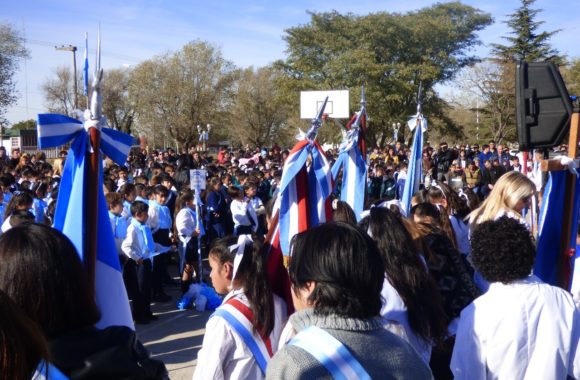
(175, 92)
(25, 124)
(571, 75)
(59, 91)
(116, 105)
(493, 83)
(495, 80)
(259, 114)
(11, 50)
(389, 53)
(526, 42)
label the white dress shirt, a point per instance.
(524, 330)
(240, 211)
(224, 355)
(134, 246)
(185, 222)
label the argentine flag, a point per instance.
(71, 217)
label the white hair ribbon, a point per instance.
(334, 203)
(462, 195)
(243, 240)
(394, 202)
(366, 213)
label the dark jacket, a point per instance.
(443, 161)
(112, 353)
(452, 273)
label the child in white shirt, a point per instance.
(243, 213)
(138, 246)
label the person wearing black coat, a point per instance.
(442, 162)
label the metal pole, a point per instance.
(75, 77)
(477, 119)
(199, 222)
(72, 49)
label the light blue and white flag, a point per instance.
(71, 216)
(354, 172)
(415, 169)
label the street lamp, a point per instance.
(396, 128)
(203, 135)
(73, 49)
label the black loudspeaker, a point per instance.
(543, 106)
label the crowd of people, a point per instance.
(444, 291)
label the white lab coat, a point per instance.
(224, 355)
(524, 330)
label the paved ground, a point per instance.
(176, 337)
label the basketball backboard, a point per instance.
(337, 106)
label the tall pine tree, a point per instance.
(525, 41)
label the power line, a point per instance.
(93, 51)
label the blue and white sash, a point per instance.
(147, 236)
(331, 353)
(244, 328)
(47, 371)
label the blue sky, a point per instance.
(248, 32)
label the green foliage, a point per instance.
(25, 124)
(387, 52)
(571, 75)
(259, 114)
(175, 92)
(116, 105)
(11, 50)
(526, 42)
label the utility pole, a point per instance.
(73, 49)
(477, 118)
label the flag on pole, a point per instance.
(550, 227)
(302, 203)
(352, 161)
(86, 67)
(415, 168)
(71, 217)
(81, 213)
(304, 189)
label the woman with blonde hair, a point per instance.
(57, 167)
(510, 195)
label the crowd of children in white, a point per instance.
(445, 291)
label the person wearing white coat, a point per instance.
(522, 328)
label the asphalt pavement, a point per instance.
(176, 337)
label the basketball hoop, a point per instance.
(324, 116)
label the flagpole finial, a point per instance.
(96, 96)
(316, 122)
(363, 101)
(420, 97)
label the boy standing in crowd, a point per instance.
(138, 246)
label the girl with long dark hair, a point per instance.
(187, 230)
(410, 296)
(243, 334)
